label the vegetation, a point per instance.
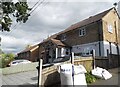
(90, 78)
(10, 10)
(6, 59)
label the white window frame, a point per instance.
(110, 28)
(82, 31)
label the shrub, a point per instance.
(90, 78)
(6, 59)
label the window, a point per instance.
(88, 51)
(82, 32)
(63, 37)
(110, 29)
(67, 52)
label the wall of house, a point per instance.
(42, 53)
(119, 31)
(24, 55)
(111, 34)
(62, 52)
(41, 49)
(107, 46)
(92, 35)
(34, 55)
(27, 55)
(84, 49)
(110, 28)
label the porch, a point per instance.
(54, 50)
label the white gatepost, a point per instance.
(72, 59)
(56, 52)
(40, 73)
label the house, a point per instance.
(51, 49)
(30, 53)
(100, 32)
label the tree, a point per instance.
(6, 59)
(9, 10)
(1, 52)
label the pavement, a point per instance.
(23, 78)
(114, 81)
(31, 78)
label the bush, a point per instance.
(6, 59)
(90, 78)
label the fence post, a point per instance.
(108, 57)
(93, 59)
(72, 57)
(40, 72)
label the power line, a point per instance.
(29, 12)
(36, 3)
(16, 25)
(35, 13)
(36, 7)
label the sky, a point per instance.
(49, 18)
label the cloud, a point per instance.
(49, 19)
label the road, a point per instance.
(23, 78)
(30, 78)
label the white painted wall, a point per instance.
(61, 52)
(107, 46)
(86, 48)
(56, 52)
(90, 46)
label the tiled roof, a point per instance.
(57, 42)
(29, 49)
(84, 22)
(87, 21)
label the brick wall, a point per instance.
(107, 62)
(92, 35)
(34, 55)
(110, 19)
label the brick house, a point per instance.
(30, 53)
(99, 32)
(51, 49)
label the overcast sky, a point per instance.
(50, 18)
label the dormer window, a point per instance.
(63, 37)
(82, 31)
